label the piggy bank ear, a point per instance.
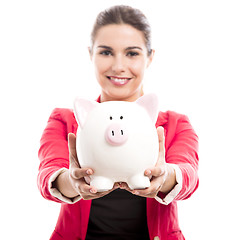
(150, 103)
(81, 109)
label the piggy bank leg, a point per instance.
(138, 181)
(101, 183)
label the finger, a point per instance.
(85, 191)
(133, 191)
(125, 186)
(82, 187)
(92, 193)
(77, 173)
(96, 195)
(156, 171)
(148, 173)
(151, 191)
(87, 179)
(88, 189)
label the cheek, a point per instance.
(97, 66)
(101, 65)
(138, 68)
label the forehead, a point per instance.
(119, 35)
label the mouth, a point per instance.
(119, 81)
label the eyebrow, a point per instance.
(106, 47)
(134, 47)
(128, 48)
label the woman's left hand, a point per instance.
(162, 176)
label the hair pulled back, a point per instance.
(122, 14)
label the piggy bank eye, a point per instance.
(110, 118)
(121, 117)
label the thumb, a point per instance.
(73, 160)
(161, 141)
(161, 138)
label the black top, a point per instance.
(119, 215)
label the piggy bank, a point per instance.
(118, 140)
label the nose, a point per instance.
(118, 65)
(116, 134)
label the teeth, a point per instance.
(119, 80)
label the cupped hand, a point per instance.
(162, 175)
(80, 177)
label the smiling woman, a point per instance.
(120, 61)
(120, 52)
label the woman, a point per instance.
(121, 52)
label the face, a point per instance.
(119, 55)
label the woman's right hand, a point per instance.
(79, 177)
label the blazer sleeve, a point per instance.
(182, 150)
(53, 152)
(181, 144)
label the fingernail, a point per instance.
(136, 192)
(89, 171)
(148, 172)
(92, 191)
(122, 186)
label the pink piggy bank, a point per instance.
(118, 140)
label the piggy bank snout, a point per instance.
(116, 134)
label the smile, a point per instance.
(119, 81)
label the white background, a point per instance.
(44, 64)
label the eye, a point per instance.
(106, 53)
(121, 117)
(132, 54)
(110, 118)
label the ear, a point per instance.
(150, 58)
(81, 109)
(90, 52)
(150, 103)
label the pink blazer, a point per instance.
(181, 143)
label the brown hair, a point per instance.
(121, 14)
